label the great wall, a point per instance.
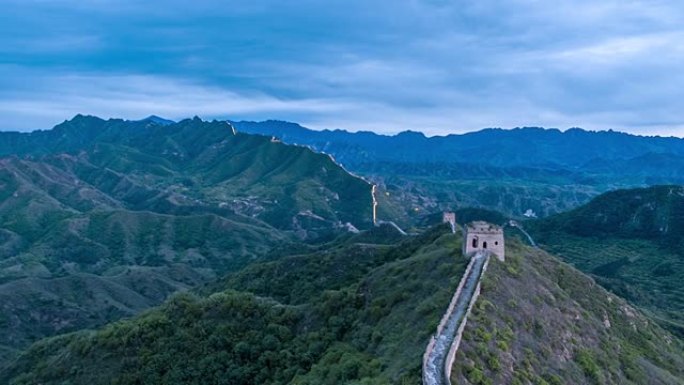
(441, 351)
(481, 241)
(517, 225)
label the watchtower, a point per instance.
(450, 218)
(481, 236)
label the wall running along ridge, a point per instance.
(449, 364)
(375, 205)
(441, 351)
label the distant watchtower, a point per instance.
(480, 235)
(450, 218)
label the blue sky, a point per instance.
(388, 65)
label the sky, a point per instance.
(435, 66)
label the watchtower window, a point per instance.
(484, 245)
(496, 243)
(474, 242)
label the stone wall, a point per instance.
(441, 349)
(454, 299)
(445, 319)
(449, 363)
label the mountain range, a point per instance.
(191, 252)
(101, 219)
(520, 147)
(546, 171)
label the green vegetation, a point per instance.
(419, 195)
(353, 312)
(367, 324)
(550, 324)
(102, 219)
(654, 213)
(510, 171)
(632, 242)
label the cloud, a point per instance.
(137, 96)
(441, 66)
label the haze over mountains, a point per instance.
(528, 147)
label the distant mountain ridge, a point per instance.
(518, 147)
(544, 171)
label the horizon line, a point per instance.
(306, 127)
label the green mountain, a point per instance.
(361, 311)
(284, 280)
(187, 167)
(540, 321)
(356, 311)
(102, 219)
(631, 241)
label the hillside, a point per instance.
(351, 313)
(543, 170)
(361, 313)
(541, 321)
(631, 241)
(100, 219)
(655, 213)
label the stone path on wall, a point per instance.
(441, 350)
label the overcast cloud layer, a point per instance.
(432, 65)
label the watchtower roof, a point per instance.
(483, 228)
